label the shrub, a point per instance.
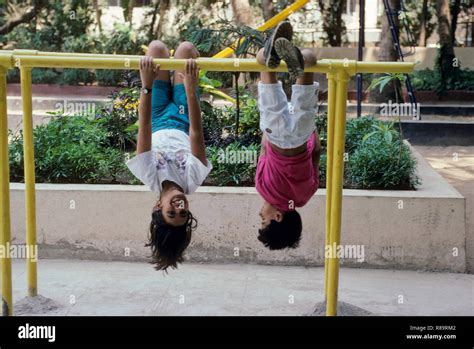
(377, 164)
(70, 149)
(234, 164)
(377, 159)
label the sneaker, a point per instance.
(282, 30)
(292, 56)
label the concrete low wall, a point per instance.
(110, 222)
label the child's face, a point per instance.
(269, 213)
(174, 207)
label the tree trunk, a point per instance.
(127, 7)
(446, 56)
(444, 27)
(242, 12)
(333, 25)
(388, 53)
(130, 11)
(424, 16)
(454, 21)
(153, 21)
(472, 34)
(98, 14)
(164, 6)
(268, 9)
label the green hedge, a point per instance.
(71, 149)
(93, 149)
(380, 161)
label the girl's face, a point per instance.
(174, 207)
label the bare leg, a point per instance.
(185, 49)
(158, 49)
(309, 60)
(266, 77)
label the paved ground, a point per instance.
(120, 288)
(456, 165)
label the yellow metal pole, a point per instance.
(267, 25)
(329, 163)
(29, 160)
(5, 232)
(94, 61)
(336, 188)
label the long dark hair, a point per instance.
(168, 242)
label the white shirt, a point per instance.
(170, 159)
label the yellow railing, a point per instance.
(338, 73)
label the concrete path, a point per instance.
(456, 165)
(121, 288)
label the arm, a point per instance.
(144, 124)
(196, 135)
(316, 152)
(147, 73)
(262, 144)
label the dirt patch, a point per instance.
(343, 309)
(38, 305)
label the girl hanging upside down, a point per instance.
(287, 173)
(171, 155)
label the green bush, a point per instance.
(356, 129)
(380, 165)
(82, 44)
(122, 40)
(233, 165)
(430, 80)
(220, 123)
(93, 150)
(58, 24)
(376, 158)
(216, 122)
(70, 149)
(120, 118)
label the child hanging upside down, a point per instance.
(171, 155)
(287, 173)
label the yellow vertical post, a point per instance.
(336, 190)
(329, 163)
(29, 161)
(5, 232)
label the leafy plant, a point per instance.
(377, 165)
(70, 149)
(382, 81)
(234, 164)
(430, 80)
(58, 23)
(211, 86)
(356, 129)
(122, 40)
(386, 131)
(217, 124)
(376, 160)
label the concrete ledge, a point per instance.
(397, 229)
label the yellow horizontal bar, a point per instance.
(89, 61)
(385, 67)
(23, 52)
